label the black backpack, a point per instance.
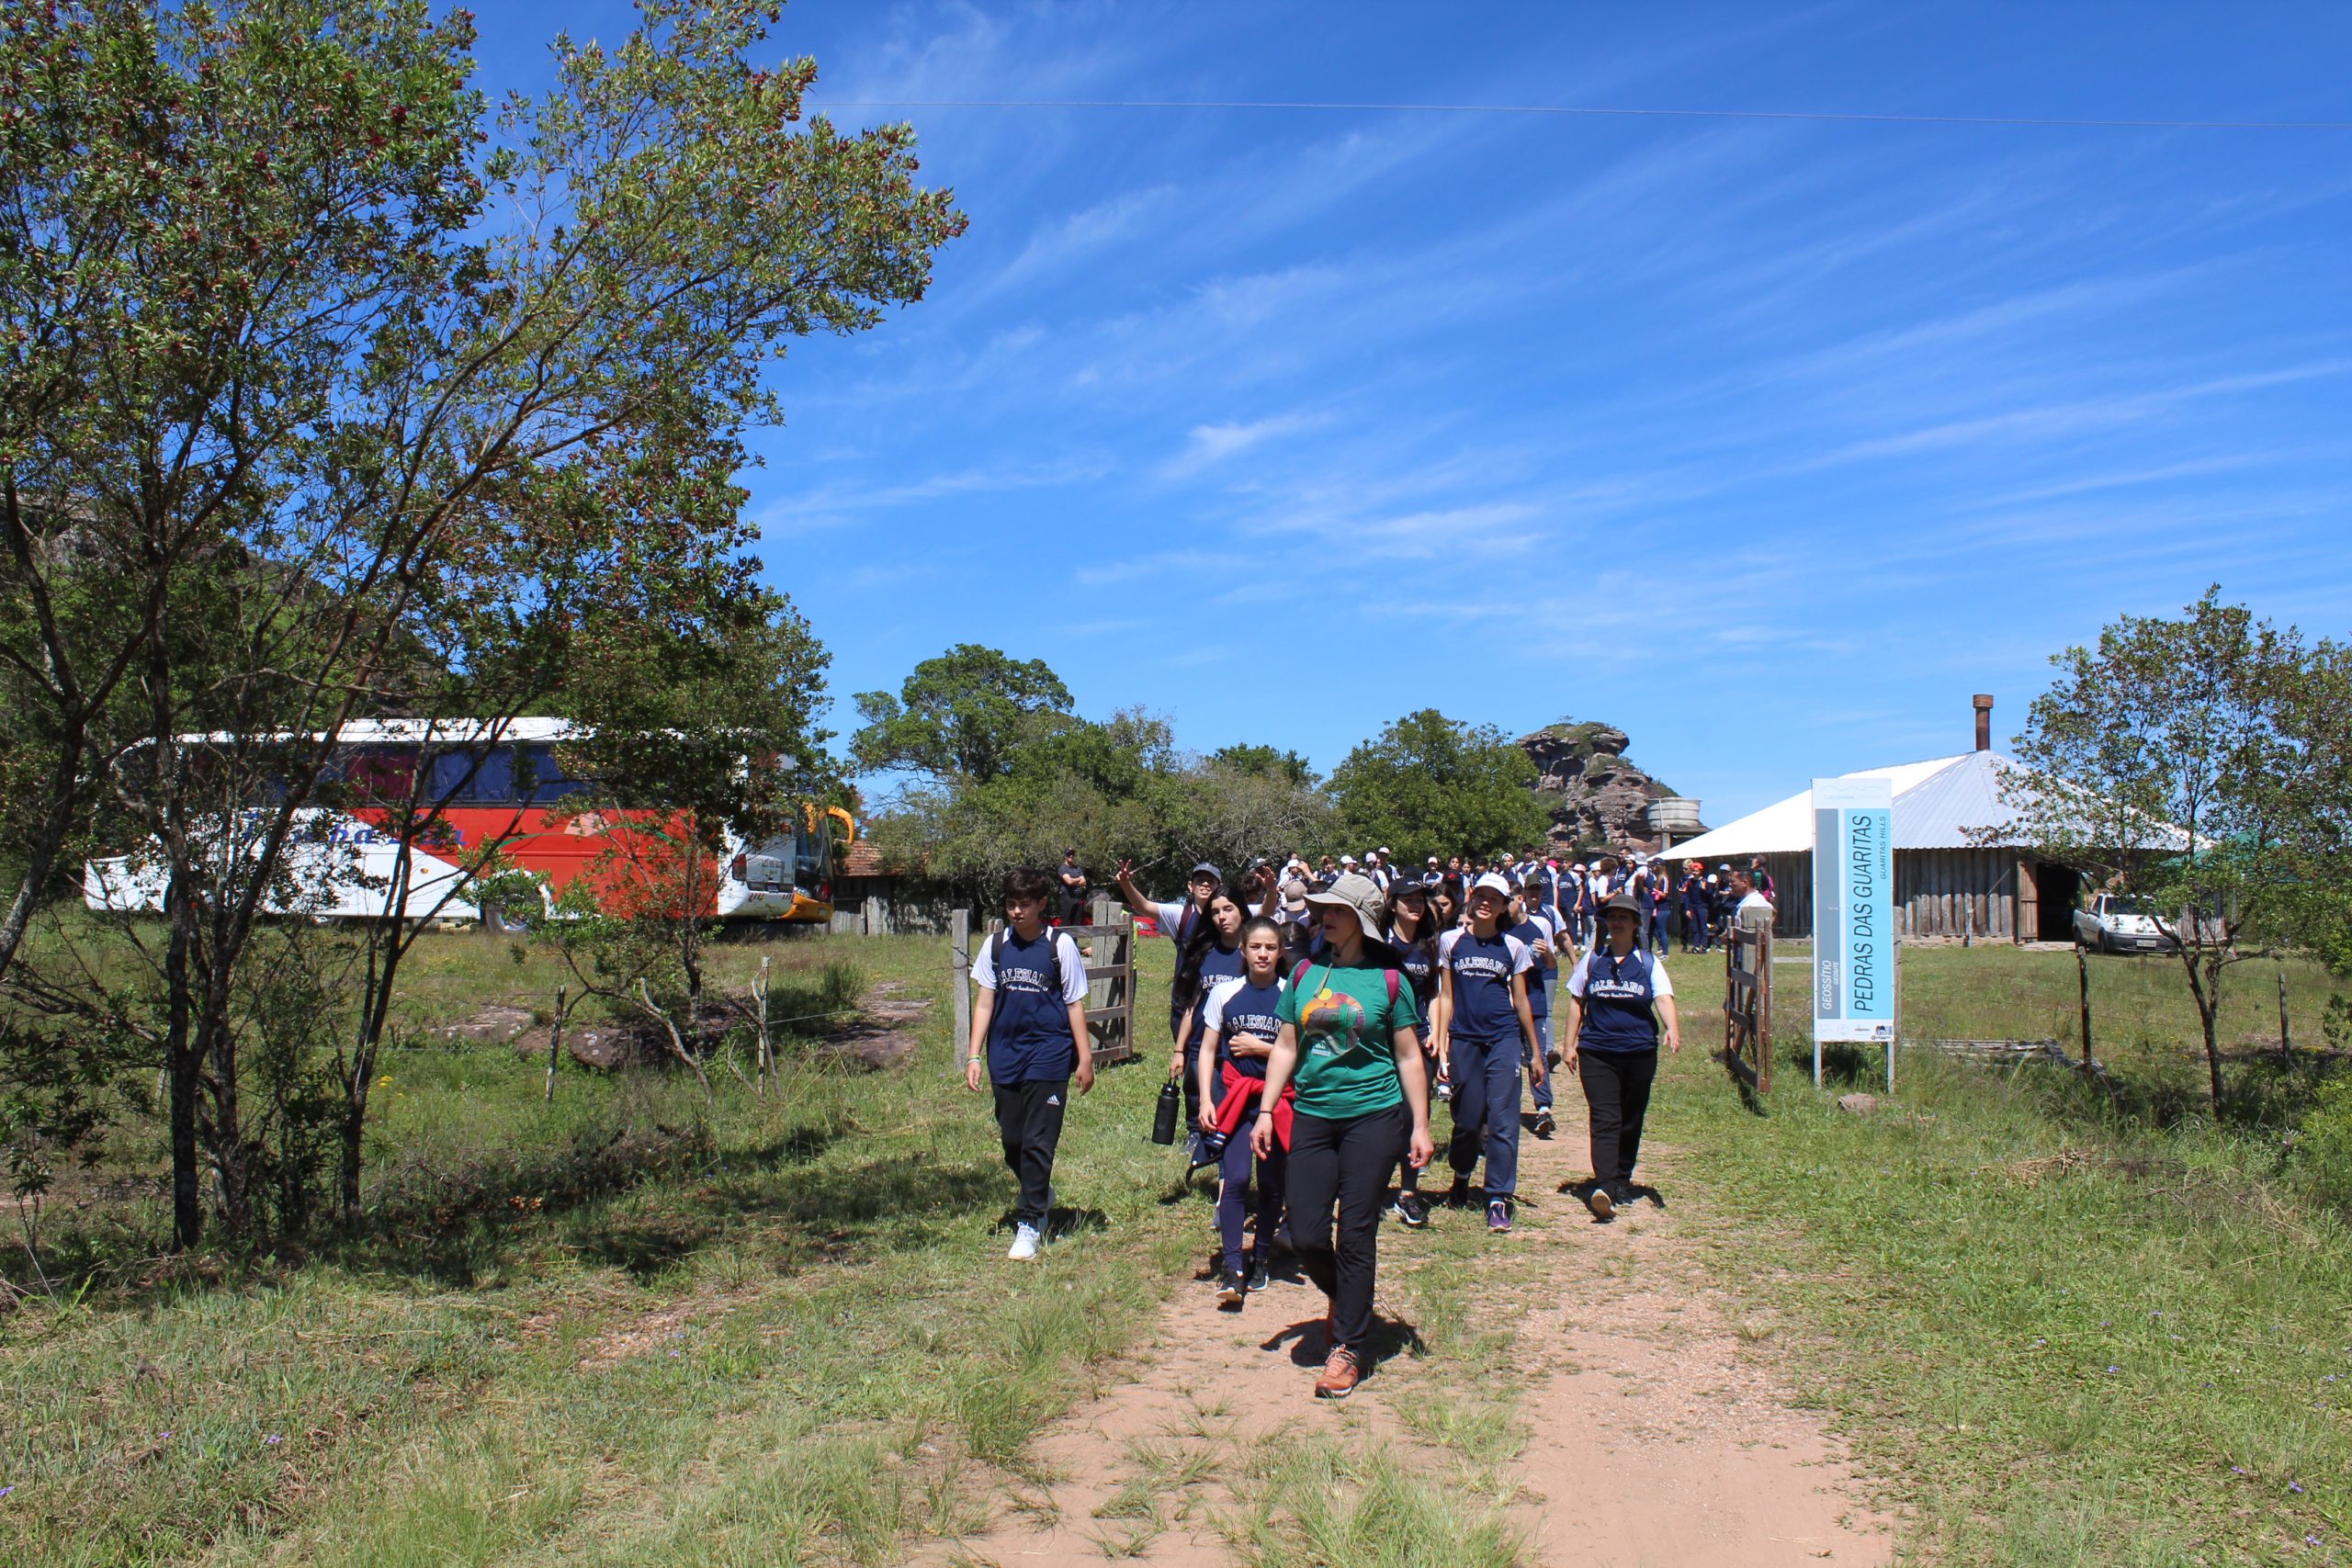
(1052, 957)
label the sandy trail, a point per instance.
(1653, 1442)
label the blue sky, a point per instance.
(1768, 441)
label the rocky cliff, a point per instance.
(1598, 796)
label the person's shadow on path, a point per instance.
(1310, 1341)
(1582, 1191)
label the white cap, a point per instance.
(1490, 882)
(1347, 860)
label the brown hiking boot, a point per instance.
(1340, 1375)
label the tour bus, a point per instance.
(503, 784)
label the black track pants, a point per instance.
(1029, 1120)
(1343, 1163)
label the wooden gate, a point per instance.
(1747, 1006)
(1109, 946)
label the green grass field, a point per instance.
(2066, 1323)
(622, 1330)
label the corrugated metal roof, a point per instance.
(1947, 809)
(1941, 804)
(1785, 827)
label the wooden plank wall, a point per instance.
(1936, 893)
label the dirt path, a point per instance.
(1652, 1439)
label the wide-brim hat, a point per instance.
(1624, 901)
(1360, 896)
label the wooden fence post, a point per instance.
(959, 964)
(2083, 980)
(555, 1041)
(2285, 1044)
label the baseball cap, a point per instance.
(1490, 882)
(1207, 868)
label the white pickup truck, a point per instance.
(2115, 923)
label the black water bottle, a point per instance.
(1163, 1121)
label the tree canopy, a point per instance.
(965, 713)
(1012, 778)
(327, 395)
(2199, 762)
(1429, 784)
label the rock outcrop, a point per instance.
(1598, 796)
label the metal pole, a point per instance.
(1816, 1003)
(767, 1051)
(1892, 1034)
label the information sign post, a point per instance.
(1854, 956)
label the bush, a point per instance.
(2324, 1151)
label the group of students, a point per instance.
(1310, 1044)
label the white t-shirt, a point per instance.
(1659, 985)
(1065, 948)
(1522, 957)
(1755, 911)
(1169, 914)
(1213, 1009)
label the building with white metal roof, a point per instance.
(1957, 872)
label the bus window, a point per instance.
(545, 775)
(380, 773)
(491, 784)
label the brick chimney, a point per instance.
(1983, 701)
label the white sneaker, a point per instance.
(1026, 1240)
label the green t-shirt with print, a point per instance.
(1346, 1064)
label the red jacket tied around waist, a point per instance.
(1241, 1094)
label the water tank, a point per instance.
(1674, 814)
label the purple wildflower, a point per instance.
(6, 1490)
(2239, 1469)
(273, 1439)
(2295, 1486)
(2115, 1369)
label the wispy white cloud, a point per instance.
(835, 505)
(2058, 420)
(1209, 445)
